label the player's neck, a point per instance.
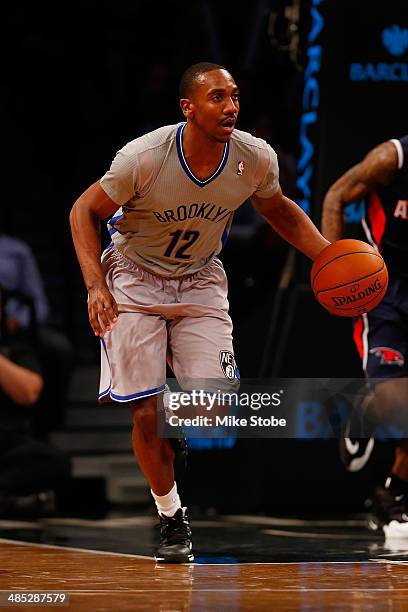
(198, 147)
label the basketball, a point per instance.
(349, 278)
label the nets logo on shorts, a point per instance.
(228, 365)
(388, 356)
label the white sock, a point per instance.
(168, 504)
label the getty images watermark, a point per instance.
(221, 409)
(299, 408)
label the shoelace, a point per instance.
(174, 528)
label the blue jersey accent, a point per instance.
(133, 396)
(224, 238)
(113, 220)
(112, 230)
(125, 398)
(106, 391)
(184, 165)
(105, 349)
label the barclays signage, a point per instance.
(395, 40)
(311, 99)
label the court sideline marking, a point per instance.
(72, 549)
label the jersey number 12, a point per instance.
(189, 239)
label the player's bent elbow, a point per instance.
(75, 209)
(72, 215)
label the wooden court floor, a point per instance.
(98, 581)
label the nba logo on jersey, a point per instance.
(228, 365)
(241, 168)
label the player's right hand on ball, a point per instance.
(102, 309)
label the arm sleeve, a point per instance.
(121, 181)
(268, 173)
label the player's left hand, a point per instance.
(102, 309)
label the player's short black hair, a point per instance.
(191, 74)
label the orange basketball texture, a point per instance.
(349, 278)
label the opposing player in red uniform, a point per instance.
(381, 336)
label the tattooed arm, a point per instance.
(377, 168)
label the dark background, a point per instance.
(356, 116)
(83, 78)
(81, 82)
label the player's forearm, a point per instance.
(333, 216)
(377, 168)
(22, 385)
(85, 229)
(289, 220)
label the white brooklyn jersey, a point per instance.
(169, 221)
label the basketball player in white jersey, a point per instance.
(159, 291)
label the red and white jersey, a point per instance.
(386, 219)
(169, 221)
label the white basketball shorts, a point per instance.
(184, 321)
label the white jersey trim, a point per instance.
(368, 233)
(365, 342)
(400, 152)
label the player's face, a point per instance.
(214, 105)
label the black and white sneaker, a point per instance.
(355, 442)
(354, 451)
(346, 417)
(389, 513)
(175, 539)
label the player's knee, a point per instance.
(144, 415)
